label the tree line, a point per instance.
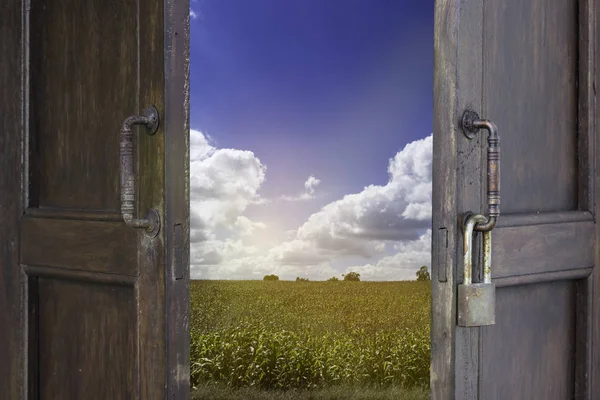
(422, 275)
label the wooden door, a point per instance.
(530, 68)
(91, 308)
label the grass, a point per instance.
(311, 340)
(221, 392)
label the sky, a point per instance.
(310, 138)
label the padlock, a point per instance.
(476, 301)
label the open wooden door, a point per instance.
(92, 307)
(530, 68)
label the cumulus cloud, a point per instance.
(309, 191)
(216, 251)
(369, 224)
(224, 182)
(310, 184)
(357, 223)
(410, 257)
(297, 252)
(246, 227)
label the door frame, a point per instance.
(177, 199)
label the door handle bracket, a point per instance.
(151, 221)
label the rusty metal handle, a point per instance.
(151, 221)
(471, 124)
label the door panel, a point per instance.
(98, 318)
(530, 87)
(525, 246)
(72, 244)
(96, 309)
(529, 67)
(538, 358)
(82, 60)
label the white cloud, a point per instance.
(213, 252)
(379, 247)
(309, 192)
(225, 182)
(355, 224)
(193, 14)
(310, 184)
(257, 266)
(297, 252)
(201, 146)
(403, 265)
(247, 227)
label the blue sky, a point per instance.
(297, 106)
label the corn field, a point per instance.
(301, 335)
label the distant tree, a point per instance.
(271, 278)
(298, 279)
(352, 276)
(423, 274)
(333, 279)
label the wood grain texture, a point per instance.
(94, 292)
(87, 339)
(31, 302)
(530, 90)
(75, 244)
(541, 248)
(177, 200)
(12, 379)
(530, 219)
(541, 262)
(443, 199)
(584, 318)
(594, 362)
(529, 352)
(587, 129)
(528, 67)
(151, 189)
(79, 276)
(576, 274)
(80, 215)
(587, 124)
(83, 81)
(471, 175)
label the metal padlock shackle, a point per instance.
(470, 222)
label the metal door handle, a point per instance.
(151, 221)
(471, 124)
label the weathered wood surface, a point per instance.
(91, 308)
(443, 201)
(11, 318)
(530, 67)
